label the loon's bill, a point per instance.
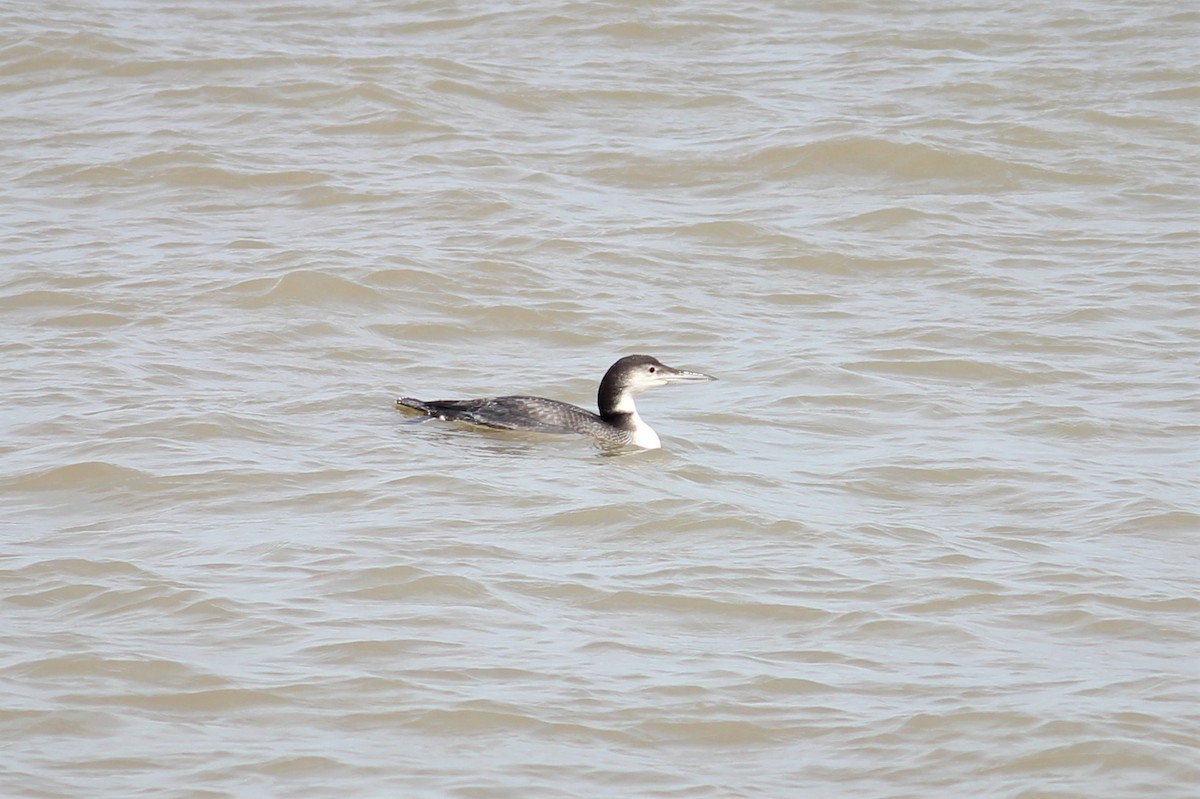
(617, 423)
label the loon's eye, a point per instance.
(652, 370)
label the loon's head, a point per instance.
(634, 374)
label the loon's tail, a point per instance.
(427, 412)
(415, 404)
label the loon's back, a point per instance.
(532, 414)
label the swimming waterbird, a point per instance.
(617, 423)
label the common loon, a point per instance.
(617, 423)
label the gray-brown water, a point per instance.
(935, 533)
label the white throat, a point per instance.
(643, 434)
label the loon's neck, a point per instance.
(621, 412)
(643, 434)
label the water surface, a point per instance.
(933, 534)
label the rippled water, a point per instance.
(934, 532)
